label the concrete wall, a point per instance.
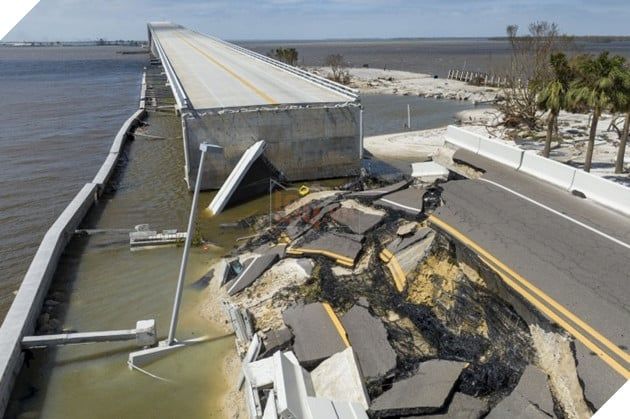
(305, 143)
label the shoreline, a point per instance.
(405, 83)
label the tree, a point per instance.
(338, 66)
(594, 89)
(286, 55)
(621, 104)
(529, 70)
(552, 95)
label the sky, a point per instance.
(77, 20)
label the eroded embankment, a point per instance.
(407, 299)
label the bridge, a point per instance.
(234, 97)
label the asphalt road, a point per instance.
(575, 252)
(216, 76)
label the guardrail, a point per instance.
(313, 78)
(600, 190)
(178, 91)
(22, 316)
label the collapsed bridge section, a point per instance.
(234, 97)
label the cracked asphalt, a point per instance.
(585, 272)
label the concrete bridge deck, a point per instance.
(215, 75)
(233, 97)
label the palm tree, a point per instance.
(552, 96)
(621, 104)
(594, 89)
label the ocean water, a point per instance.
(430, 56)
(59, 111)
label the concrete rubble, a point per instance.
(351, 306)
(424, 392)
(339, 377)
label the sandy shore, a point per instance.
(373, 80)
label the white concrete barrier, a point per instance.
(548, 170)
(128, 125)
(501, 152)
(603, 191)
(106, 171)
(463, 138)
(22, 316)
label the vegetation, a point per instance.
(286, 55)
(545, 79)
(552, 96)
(338, 68)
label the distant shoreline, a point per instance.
(99, 43)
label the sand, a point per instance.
(373, 80)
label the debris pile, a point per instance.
(352, 306)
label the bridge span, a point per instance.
(234, 97)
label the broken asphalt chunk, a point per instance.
(317, 330)
(341, 248)
(368, 337)
(357, 221)
(462, 406)
(530, 398)
(425, 392)
(407, 200)
(378, 192)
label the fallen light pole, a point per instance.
(170, 344)
(144, 334)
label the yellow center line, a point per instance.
(335, 321)
(513, 279)
(270, 100)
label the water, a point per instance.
(385, 114)
(430, 56)
(59, 111)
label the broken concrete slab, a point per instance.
(425, 392)
(333, 409)
(462, 406)
(356, 220)
(270, 248)
(429, 171)
(409, 201)
(317, 330)
(253, 270)
(234, 179)
(339, 378)
(339, 247)
(530, 398)
(292, 386)
(378, 192)
(368, 337)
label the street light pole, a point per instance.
(204, 147)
